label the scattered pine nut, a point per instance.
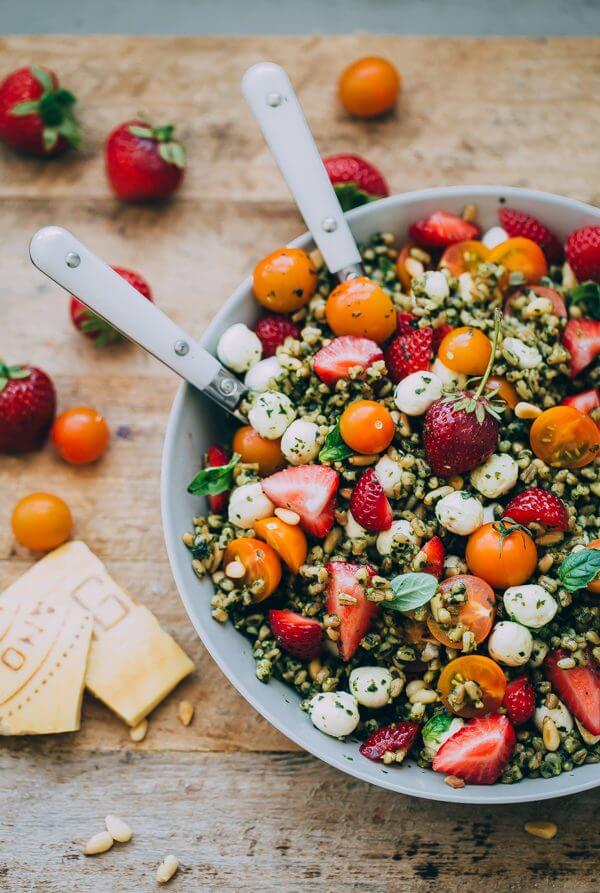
(546, 830)
(99, 843)
(167, 869)
(118, 829)
(235, 570)
(185, 712)
(527, 411)
(550, 735)
(454, 782)
(138, 733)
(287, 516)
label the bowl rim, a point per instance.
(565, 784)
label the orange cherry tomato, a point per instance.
(80, 435)
(288, 540)
(41, 521)
(477, 614)
(256, 449)
(416, 632)
(285, 280)
(403, 275)
(520, 255)
(500, 388)
(502, 554)
(464, 257)
(260, 562)
(467, 350)
(361, 307)
(564, 437)
(369, 87)
(475, 668)
(367, 427)
(594, 585)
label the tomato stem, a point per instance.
(490, 365)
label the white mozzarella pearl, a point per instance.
(248, 504)
(239, 348)
(494, 236)
(371, 686)
(259, 377)
(353, 528)
(436, 284)
(561, 716)
(400, 532)
(531, 605)
(520, 354)
(271, 413)
(510, 643)
(459, 512)
(300, 443)
(465, 286)
(496, 476)
(538, 653)
(415, 393)
(448, 376)
(334, 712)
(389, 475)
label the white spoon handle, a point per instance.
(275, 106)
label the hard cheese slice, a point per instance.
(133, 664)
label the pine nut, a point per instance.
(453, 781)
(138, 733)
(314, 668)
(470, 213)
(546, 830)
(167, 869)
(185, 712)
(332, 540)
(425, 696)
(235, 570)
(118, 829)
(527, 411)
(414, 268)
(413, 687)
(550, 735)
(99, 843)
(430, 652)
(550, 539)
(288, 516)
(361, 460)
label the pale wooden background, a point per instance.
(237, 802)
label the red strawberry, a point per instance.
(355, 620)
(435, 551)
(94, 327)
(459, 433)
(579, 688)
(438, 336)
(405, 322)
(540, 506)
(355, 180)
(273, 330)
(397, 739)
(335, 360)
(144, 162)
(369, 505)
(582, 249)
(36, 115)
(584, 402)
(27, 407)
(308, 490)
(300, 636)
(479, 751)
(441, 229)
(517, 223)
(519, 700)
(215, 456)
(581, 337)
(409, 352)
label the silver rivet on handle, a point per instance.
(181, 348)
(72, 259)
(329, 225)
(274, 99)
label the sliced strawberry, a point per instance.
(273, 330)
(584, 402)
(479, 751)
(438, 336)
(559, 308)
(581, 337)
(355, 620)
(369, 505)
(519, 700)
(579, 688)
(517, 223)
(409, 352)
(540, 506)
(435, 551)
(310, 491)
(300, 636)
(217, 455)
(397, 739)
(582, 249)
(335, 360)
(441, 229)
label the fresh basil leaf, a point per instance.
(215, 479)
(579, 568)
(334, 449)
(412, 591)
(588, 294)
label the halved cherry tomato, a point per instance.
(403, 275)
(520, 255)
(288, 540)
(416, 632)
(475, 668)
(501, 553)
(464, 257)
(254, 448)
(285, 280)
(367, 426)
(500, 388)
(361, 307)
(564, 437)
(541, 291)
(477, 614)
(80, 435)
(594, 585)
(369, 87)
(260, 561)
(466, 349)
(41, 521)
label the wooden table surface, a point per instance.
(240, 805)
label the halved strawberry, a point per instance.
(217, 455)
(540, 506)
(308, 490)
(581, 337)
(355, 620)
(582, 249)
(479, 751)
(579, 688)
(335, 360)
(517, 223)
(441, 229)
(559, 308)
(435, 551)
(585, 402)
(519, 700)
(398, 738)
(409, 352)
(300, 636)
(369, 505)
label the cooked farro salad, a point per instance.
(407, 530)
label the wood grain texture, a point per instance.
(230, 795)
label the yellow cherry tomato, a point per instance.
(467, 350)
(501, 553)
(260, 562)
(520, 255)
(500, 389)
(260, 450)
(367, 427)
(41, 521)
(288, 540)
(285, 280)
(464, 257)
(564, 437)
(369, 87)
(361, 307)
(473, 668)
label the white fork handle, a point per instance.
(275, 106)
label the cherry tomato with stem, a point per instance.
(502, 553)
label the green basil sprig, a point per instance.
(215, 479)
(588, 295)
(334, 449)
(579, 568)
(412, 591)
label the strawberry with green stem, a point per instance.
(143, 162)
(36, 114)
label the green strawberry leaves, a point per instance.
(334, 449)
(351, 196)
(579, 568)
(412, 591)
(169, 149)
(215, 479)
(12, 373)
(55, 110)
(588, 295)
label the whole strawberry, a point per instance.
(143, 162)
(27, 407)
(355, 180)
(94, 327)
(517, 223)
(36, 115)
(582, 250)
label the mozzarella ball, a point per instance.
(239, 348)
(259, 377)
(531, 605)
(415, 393)
(300, 442)
(538, 653)
(496, 476)
(334, 712)
(561, 716)
(448, 376)
(400, 532)
(389, 475)
(459, 512)
(271, 414)
(510, 643)
(353, 529)
(371, 686)
(248, 504)
(436, 284)
(520, 354)
(494, 236)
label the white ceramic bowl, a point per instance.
(194, 424)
